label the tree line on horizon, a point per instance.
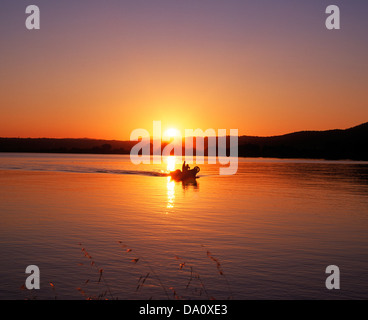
(332, 144)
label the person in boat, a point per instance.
(186, 173)
(185, 167)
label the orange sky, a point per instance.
(105, 70)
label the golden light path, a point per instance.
(171, 161)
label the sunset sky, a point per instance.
(100, 69)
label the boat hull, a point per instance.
(189, 175)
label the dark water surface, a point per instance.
(271, 230)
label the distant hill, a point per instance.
(350, 143)
(47, 145)
(336, 144)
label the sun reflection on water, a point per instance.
(170, 185)
(171, 162)
(170, 193)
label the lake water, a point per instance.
(268, 232)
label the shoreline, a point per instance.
(363, 161)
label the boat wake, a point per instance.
(133, 172)
(87, 170)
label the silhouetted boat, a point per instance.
(178, 175)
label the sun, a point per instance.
(172, 133)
